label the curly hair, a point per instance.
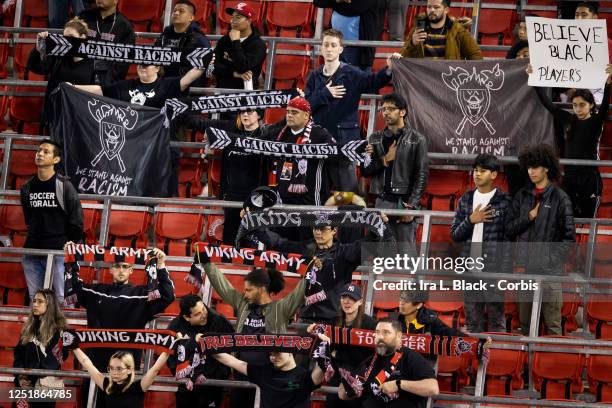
(541, 155)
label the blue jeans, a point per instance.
(58, 11)
(34, 267)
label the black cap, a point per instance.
(351, 290)
(260, 198)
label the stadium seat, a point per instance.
(190, 177)
(599, 314)
(145, 15)
(160, 399)
(214, 228)
(497, 22)
(22, 166)
(225, 310)
(35, 13)
(599, 375)
(290, 71)
(452, 373)
(10, 330)
(14, 222)
(286, 19)
(181, 287)
(224, 20)
(24, 111)
(444, 188)
(138, 277)
(274, 115)
(204, 9)
(175, 232)
(214, 175)
(129, 228)
(571, 303)
(91, 220)
(504, 369)
(558, 375)
(13, 287)
(450, 312)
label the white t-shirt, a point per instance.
(483, 200)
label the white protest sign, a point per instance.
(567, 53)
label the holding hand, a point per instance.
(161, 258)
(609, 72)
(534, 213)
(234, 35)
(419, 36)
(481, 214)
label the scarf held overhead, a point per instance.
(353, 150)
(158, 340)
(59, 46)
(229, 102)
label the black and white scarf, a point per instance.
(59, 46)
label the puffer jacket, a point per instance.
(410, 167)
(460, 45)
(554, 224)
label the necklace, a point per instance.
(105, 36)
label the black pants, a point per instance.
(231, 223)
(584, 188)
(199, 397)
(242, 397)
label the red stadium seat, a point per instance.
(138, 277)
(224, 20)
(13, 287)
(495, 21)
(22, 164)
(285, 19)
(450, 312)
(10, 332)
(181, 287)
(504, 370)
(190, 177)
(214, 176)
(158, 399)
(175, 232)
(24, 111)
(91, 220)
(599, 314)
(444, 188)
(35, 13)
(214, 228)
(599, 376)
(225, 310)
(274, 115)
(14, 223)
(571, 303)
(452, 373)
(145, 15)
(290, 71)
(204, 9)
(129, 228)
(558, 375)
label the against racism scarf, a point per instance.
(302, 150)
(356, 219)
(59, 46)
(96, 253)
(233, 102)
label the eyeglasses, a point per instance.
(116, 369)
(388, 108)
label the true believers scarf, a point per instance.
(59, 46)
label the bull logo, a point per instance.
(113, 122)
(474, 93)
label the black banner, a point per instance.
(230, 102)
(111, 147)
(59, 46)
(353, 150)
(472, 107)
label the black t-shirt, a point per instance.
(47, 220)
(138, 93)
(255, 323)
(282, 389)
(412, 366)
(132, 397)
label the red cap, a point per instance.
(300, 103)
(241, 8)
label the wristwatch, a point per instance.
(398, 382)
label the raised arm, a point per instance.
(225, 289)
(232, 362)
(190, 77)
(94, 89)
(96, 375)
(149, 377)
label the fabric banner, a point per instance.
(218, 253)
(158, 340)
(229, 343)
(353, 150)
(472, 107)
(230, 102)
(270, 219)
(567, 53)
(59, 46)
(422, 343)
(111, 147)
(99, 253)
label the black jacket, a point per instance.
(410, 167)
(494, 233)
(353, 356)
(69, 202)
(114, 306)
(115, 28)
(554, 224)
(192, 38)
(215, 324)
(29, 355)
(241, 172)
(240, 57)
(431, 324)
(339, 262)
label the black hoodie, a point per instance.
(235, 56)
(215, 324)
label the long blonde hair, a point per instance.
(127, 359)
(44, 327)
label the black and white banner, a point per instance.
(59, 46)
(230, 102)
(110, 146)
(353, 150)
(472, 107)
(352, 219)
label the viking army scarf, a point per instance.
(355, 219)
(353, 151)
(422, 343)
(229, 102)
(59, 46)
(96, 253)
(158, 340)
